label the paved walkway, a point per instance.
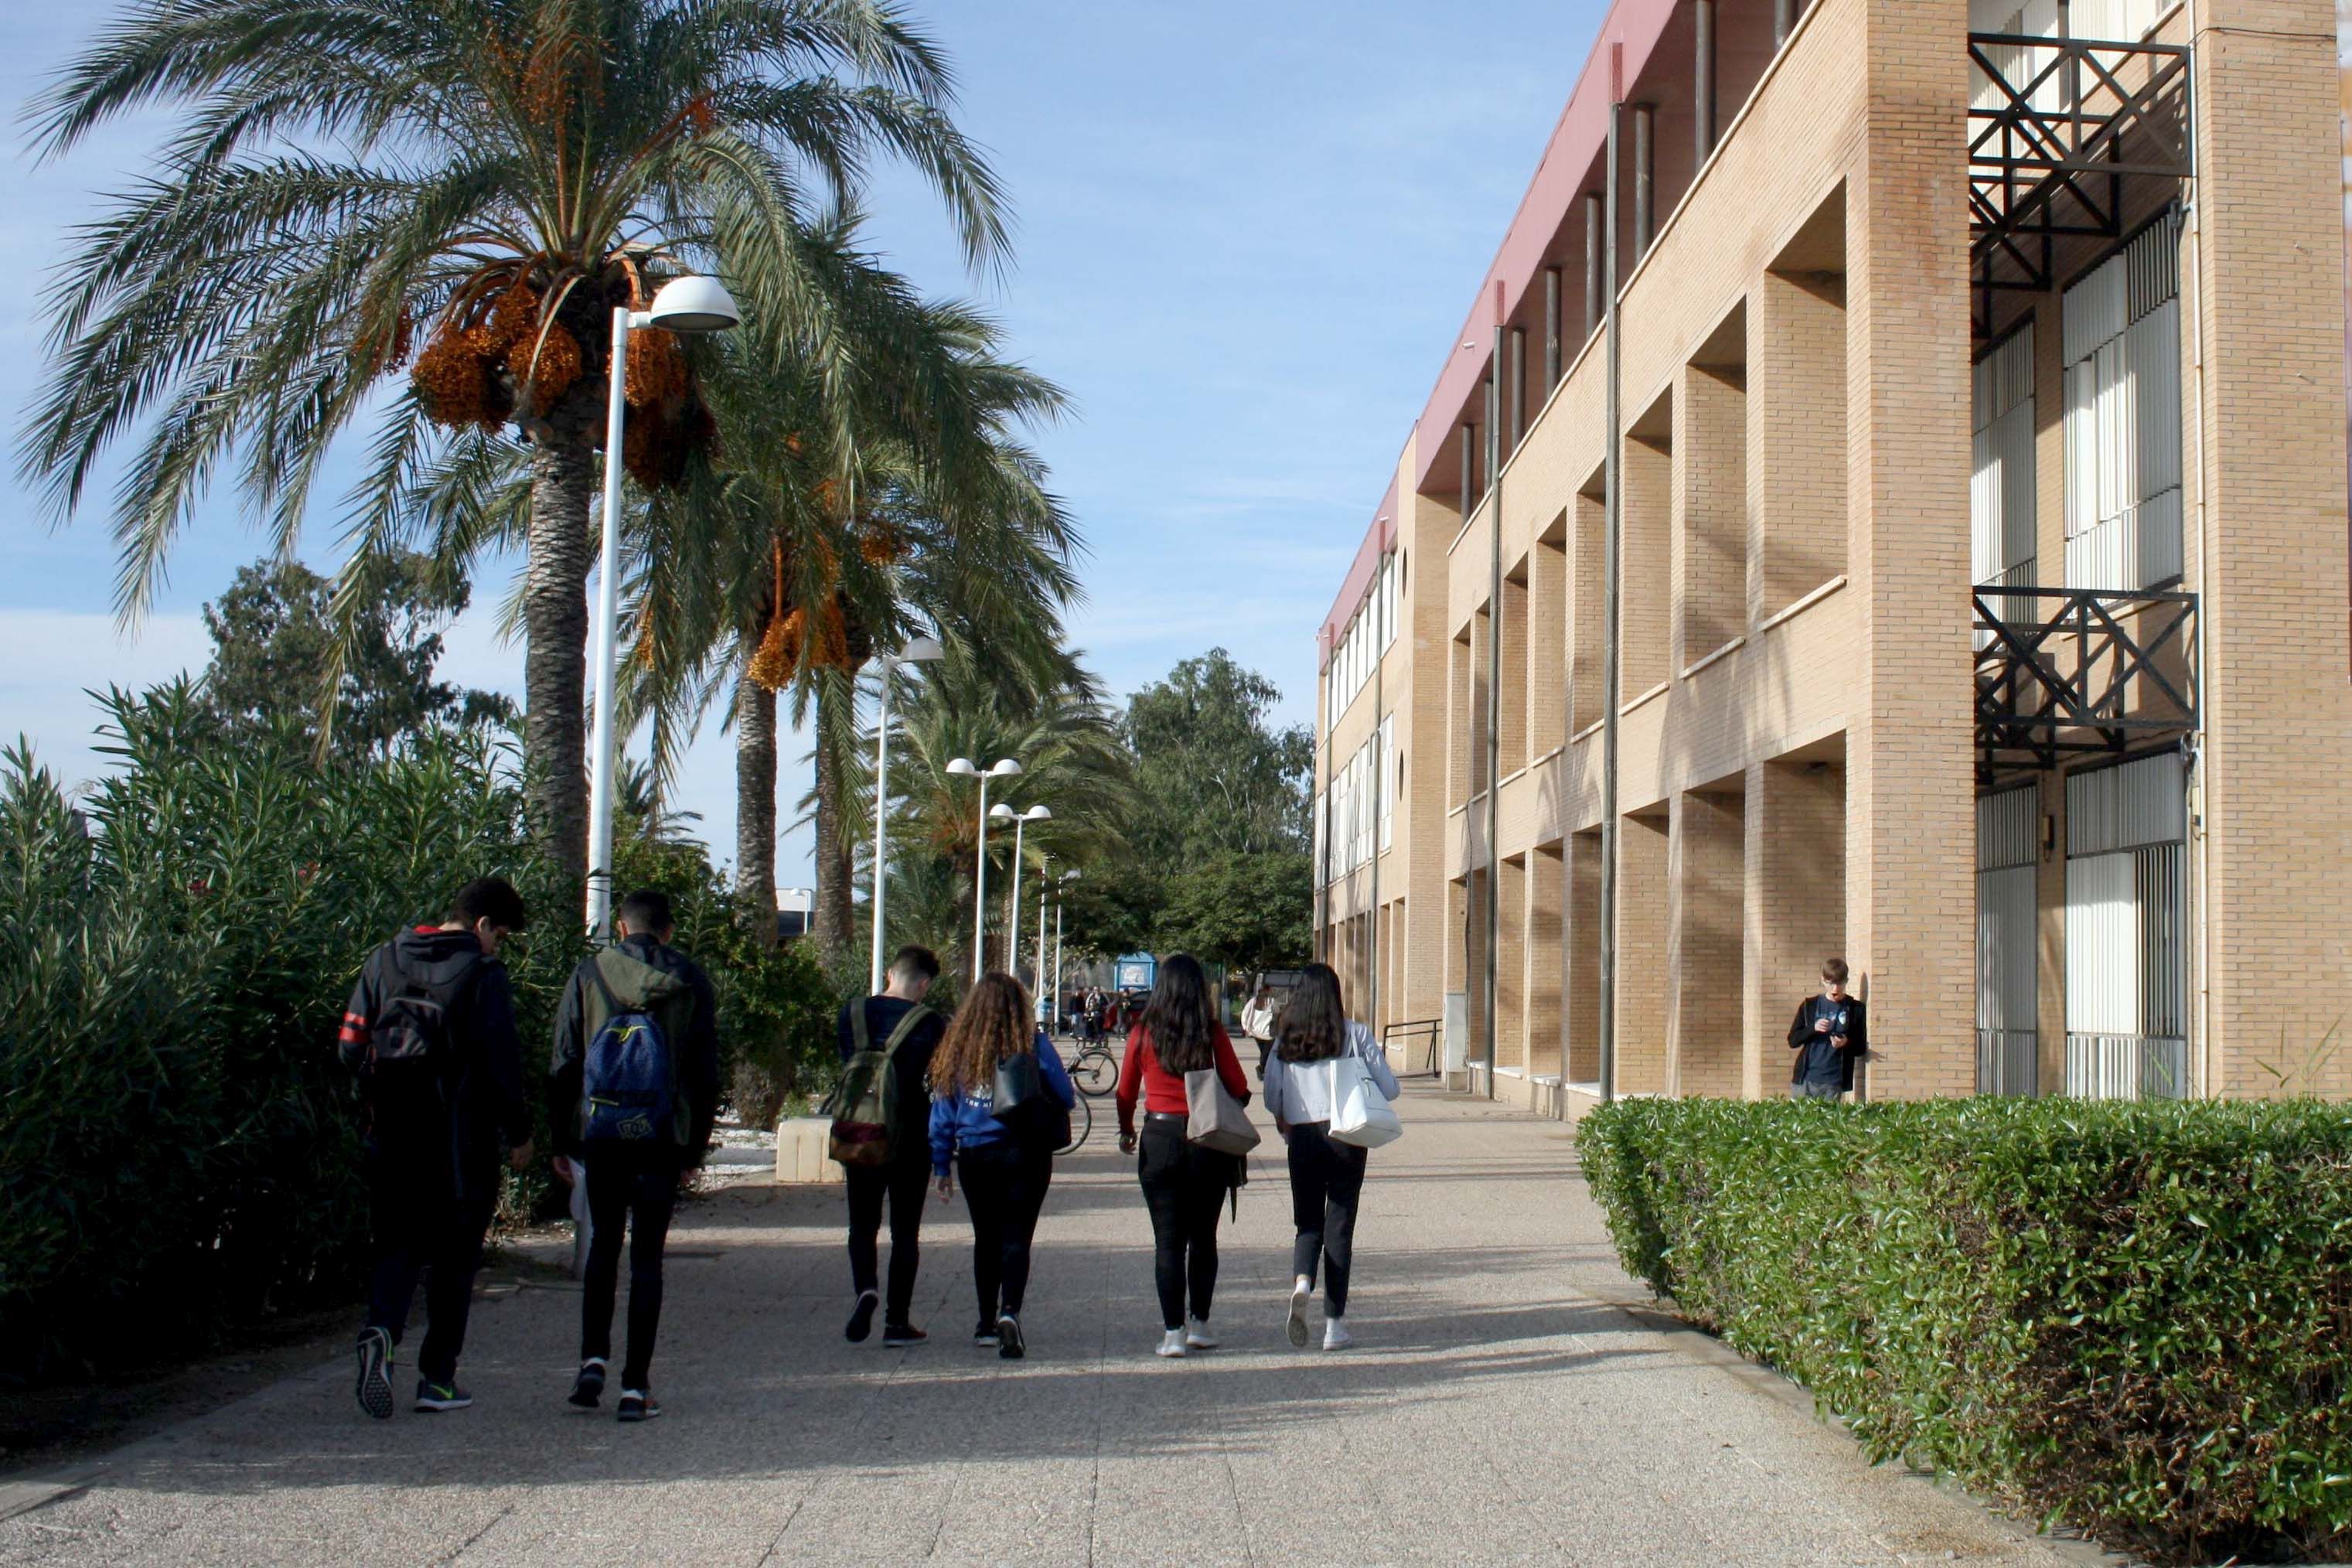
(1496, 1409)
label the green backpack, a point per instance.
(864, 1104)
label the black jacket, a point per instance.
(488, 1111)
(1857, 1041)
(911, 1138)
(698, 1054)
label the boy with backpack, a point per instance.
(881, 1135)
(430, 1031)
(637, 1090)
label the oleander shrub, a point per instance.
(179, 1143)
(2131, 1317)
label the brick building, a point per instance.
(1963, 588)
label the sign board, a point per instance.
(1136, 971)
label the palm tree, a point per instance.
(800, 557)
(497, 176)
(1067, 740)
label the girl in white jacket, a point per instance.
(1327, 1177)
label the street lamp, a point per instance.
(963, 768)
(1020, 820)
(688, 304)
(1062, 887)
(919, 650)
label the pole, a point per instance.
(1043, 891)
(608, 564)
(979, 890)
(1494, 682)
(1702, 73)
(881, 809)
(1606, 1018)
(1013, 917)
(1057, 956)
(1380, 787)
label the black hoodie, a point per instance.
(488, 1111)
(698, 1055)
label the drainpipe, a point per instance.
(1494, 674)
(2204, 861)
(1323, 859)
(1703, 61)
(1380, 789)
(1611, 567)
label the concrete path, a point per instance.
(1496, 1409)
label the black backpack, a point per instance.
(412, 1058)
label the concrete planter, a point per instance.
(802, 1158)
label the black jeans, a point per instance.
(1004, 1186)
(1184, 1187)
(903, 1184)
(1325, 1181)
(419, 1228)
(640, 1185)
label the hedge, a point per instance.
(178, 1142)
(2131, 1317)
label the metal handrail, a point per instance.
(1407, 1030)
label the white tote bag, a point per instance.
(1360, 1113)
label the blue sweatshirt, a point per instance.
(968, 1119)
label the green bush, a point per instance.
(2130, 1318)
(178, 1141)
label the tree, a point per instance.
(1220, 779)
(1250, 913)
(500, 175)
(274, 645)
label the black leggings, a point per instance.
(903, 1184)
(1184, 1187)
(1326, 1179)
(642, 1185)
(1004, 1185)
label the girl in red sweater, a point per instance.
(1184, 1185)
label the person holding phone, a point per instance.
(1829, 1035)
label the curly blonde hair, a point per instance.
(992, 1026)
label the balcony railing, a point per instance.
(2056, 128)
(2066, 672)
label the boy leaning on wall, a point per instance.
(1828, 1035)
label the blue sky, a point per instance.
(1245, 237)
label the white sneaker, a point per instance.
(1171, 1343)
(1296, 1326)
(1336, 1336)
(1197, 1335)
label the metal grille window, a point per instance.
(2008, 971)
(2126, 897)
(2122, 352)
(2001, 487)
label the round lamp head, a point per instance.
(1006, 768)
(1039, 814)
(1002, 810)
(961, 768)
(921, 650)
(694, 304)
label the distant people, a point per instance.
(907, 1032)
(634, 1096)
(1004, 1154)
(1185, 1185)
(1327, 1176)
(1093, 1008)
(430, 1030)
(1828, 1035)
(1258, 1022)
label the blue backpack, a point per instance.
(637, 1015)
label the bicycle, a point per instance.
(1094, 1070)
(1082, 1122)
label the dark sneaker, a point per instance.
(441, 1396)
(902, 1336)
(638, 1404)
(861, 1318)
(588, 1388)
(984, 1333)
(375, 1373)
(1009, 1342)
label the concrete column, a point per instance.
(1546, 644)
(1798, 433)
(1511, 727)
(1511, 964)
(1588, 615)
(1646, 163)
(1642, 895)
(1595, 236)
(1519, 383)
(1546, 867)
(1707, 856)
(1469, 471)
(1795, 906)
(1784, 21)
(1911, 784)
(1581, 958)
(1702, 82)
(1551, 330)
(1646, 615)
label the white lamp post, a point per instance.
(688, 304)
(1020, 820)
(1061, 895)
(963, 767)
(1045, 891)
(919, 650)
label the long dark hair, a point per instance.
(1179, 1017)
(1314, 1026)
